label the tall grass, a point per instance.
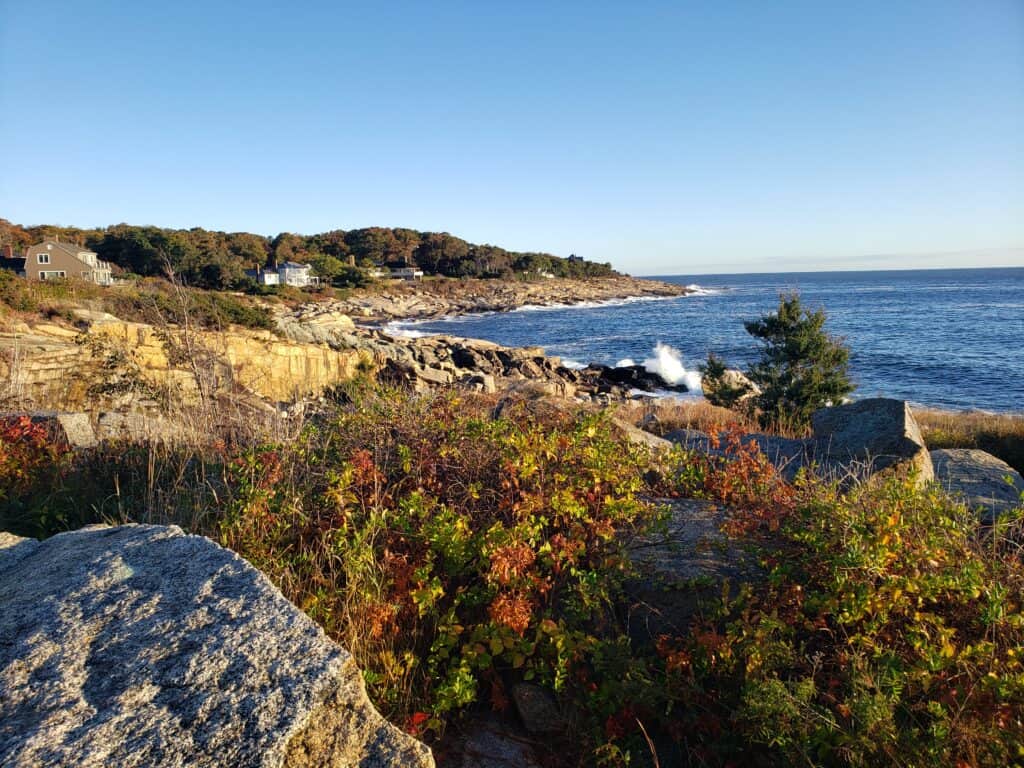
(1002, 435)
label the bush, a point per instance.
(887, 629)
(455, 554)
(452, 553)
(801, 368)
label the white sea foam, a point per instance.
(699, 290)
(626, 362)
(574, 365)
(668, 363)
(405, 329)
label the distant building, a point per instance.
(298, 275)
(574, 257)
(289, 273)
(407, 273)
(264, 276)
(50, 260)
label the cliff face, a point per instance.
(46, 364)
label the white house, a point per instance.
(264, 276)
(290, 273)
(298, 275)
(407, 273)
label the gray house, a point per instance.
(50, 260)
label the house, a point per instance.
(264, 276)
(50, 260)
(407, 273)
(298, 275)
(289, 273)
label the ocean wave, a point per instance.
(588, 304)
(405, 329)
(700, 290)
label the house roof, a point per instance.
(295, 265)
(16, 264)
(72, 250)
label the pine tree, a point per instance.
(801, 368)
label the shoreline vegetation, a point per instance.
(467, 547)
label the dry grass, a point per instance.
(1002, 435)
(663, 416)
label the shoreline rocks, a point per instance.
(433, 299)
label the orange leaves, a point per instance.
(510, 563)
(513, 610)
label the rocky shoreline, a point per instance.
(431, 299)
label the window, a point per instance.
(43, 258)
(52, 275)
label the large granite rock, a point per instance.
(641, 436)
(141, 646)
(979, 479)
(732, 383)
(872, 436)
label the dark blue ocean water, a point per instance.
(943, 338)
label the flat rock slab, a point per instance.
(142, 646)
(979, 479)
(679, 569)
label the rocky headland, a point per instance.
(426, 299)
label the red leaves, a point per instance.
(26, 452)
(415, 723)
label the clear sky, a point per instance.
(664, 137)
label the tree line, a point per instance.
(218, 260)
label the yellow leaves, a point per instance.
(548, 627)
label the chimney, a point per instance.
(8, 252)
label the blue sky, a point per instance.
(663, 137)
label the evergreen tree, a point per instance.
(801, 368)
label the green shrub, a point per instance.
(801, 368)
(888, 631)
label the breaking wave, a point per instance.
(667, 362)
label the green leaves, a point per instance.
(801, 367)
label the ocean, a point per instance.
(951, 338)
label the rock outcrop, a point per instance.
(851, 443)
(141, 646)
(871, 436)
(68, 430)
(979, 479)
(680, 568)
(111, 362)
